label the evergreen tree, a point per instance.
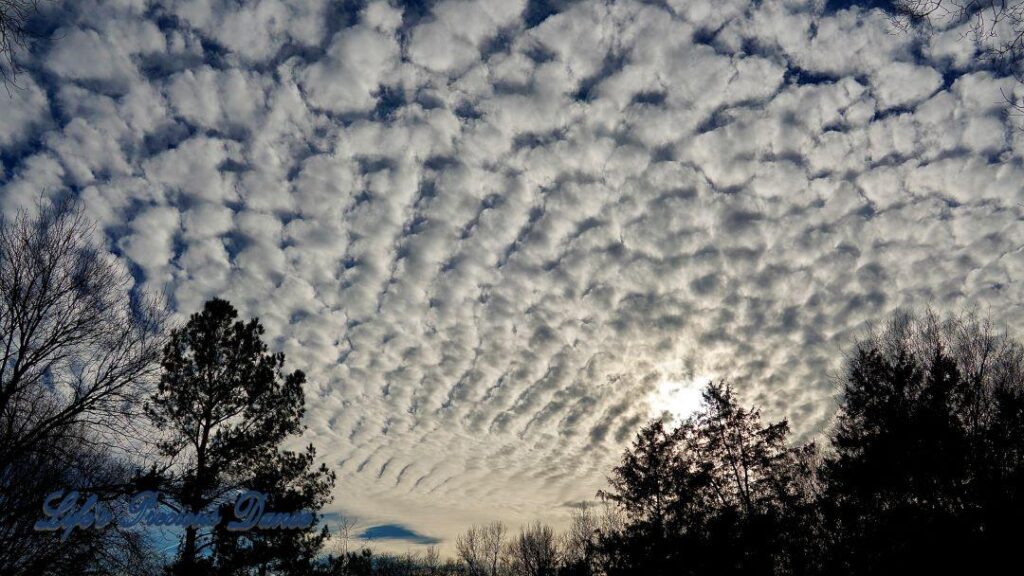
(225, 404)
(720, 494)
(348, 564)
(926, 468)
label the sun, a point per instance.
(678, 399)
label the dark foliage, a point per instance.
(74, 465)
(720, 494)
(924, 473)
(226, 404)
(349, 564)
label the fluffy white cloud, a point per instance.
(253, 31)
(488, 244)
(105, 52)
(450, 41)
(150, 242)
(25, 110)
(350, 77)
(196, 169)
(901, 84)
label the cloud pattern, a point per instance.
(489, 231)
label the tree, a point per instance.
(924, 471)
(225, 405)
(926, 468)
(579, 543)
(722, 493)
(77, 349)
(644, 488)
(77, 352)
(432, 562)
(291, 483)
(81, 466)
(481, 549)
(348, 564)
(534, 552)
(760, 487)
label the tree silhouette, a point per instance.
(226, 404)
(77, 350)
(482, 549)
(579, 544)
(720, 494)
(290, 482)
(76, 354)
(73, 464)
(925, 471)
(348, 564)
(534, 552)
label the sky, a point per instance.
(499, 236)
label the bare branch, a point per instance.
(14, 35)
(75, 347)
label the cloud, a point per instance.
(349, 79)
(25, 112)
(490, 232)
(254, 31)
(396, 532)
(450, 41)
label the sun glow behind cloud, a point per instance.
(678, 399)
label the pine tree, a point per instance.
(925, 473)
(224, 405)
(720, 494)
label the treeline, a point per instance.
(921, 471)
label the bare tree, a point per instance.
(481, 549)
(612, 518)
(996, 24)
(75, 349)
(534, 552)
(431, 561)
(990, 361)
(344, 535)
(23, 551)
(470, 550)
(579, 543)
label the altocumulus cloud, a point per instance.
(489, 230)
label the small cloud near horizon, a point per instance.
(397, 532)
